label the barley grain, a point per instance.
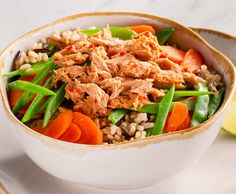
(44, 56)
(25, 67)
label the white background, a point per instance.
(20, 16)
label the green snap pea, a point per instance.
(153, 108)
(117, 115)
(148, 132)
(27, 96)
(215, 101)
(43, 106)
(52, 49)
(33, 108)
(163, 110)
(189, 103)
(35, 68)
(53, 104)
(118, 32)
(149, 108)
(185, 93)
(201, 106)
(163, 35)
(30, 87)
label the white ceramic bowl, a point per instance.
(131, 164)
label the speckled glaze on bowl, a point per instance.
(131, 164)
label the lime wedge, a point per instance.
(229, 124)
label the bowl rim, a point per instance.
(178, 135)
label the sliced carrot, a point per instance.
(40, 129)
(191, 98)
(90, 133)
(186, 123)
(142, 28)
(192, 61)
(60, 124)
(172, 53)
(177, 117)
(167, 119)
(72, 134)
(28, 78)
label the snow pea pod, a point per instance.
(35, 68)
(215, 101)
(163, 35)
(148, 132)
(117, 115)
(33, 108)
(185, 93)
(163, 110)
(53, 104)
(201, 106)
(153, 108)
(30, 87)
(117, 32)
(27, 96)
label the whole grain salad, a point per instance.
(106, 86)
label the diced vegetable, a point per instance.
(72, 134)
(60, 124)
(27, 96)
(164, 34)
(90, 133)
(173, 54)
(177, 117)
(30, 87)
(192, 61)
(163, 110)
(142, 28)
(53, 104)
(118, 32)
(201, 106)
(117, 115)
(215, 101)
(32, 110)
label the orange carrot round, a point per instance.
(72, 134)
(142, 28)
(172, 53)
(186, 123)
(177, 117)
(192, 61)
(90, 133)
(60, 124)
(40, 129)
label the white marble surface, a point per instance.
(18, 17)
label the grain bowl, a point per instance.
(121, 162)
